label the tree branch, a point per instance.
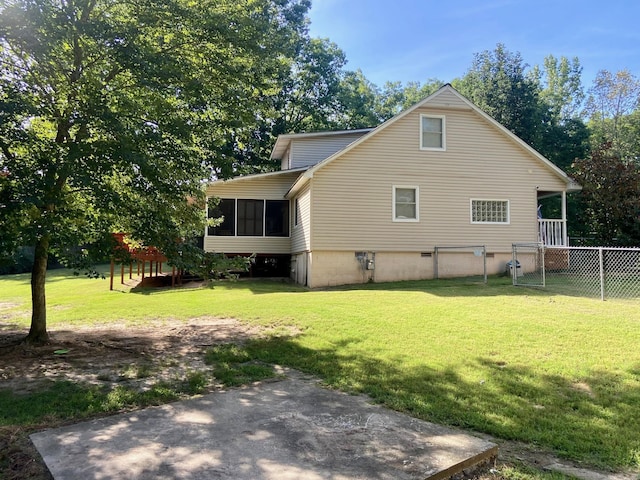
(5, 150)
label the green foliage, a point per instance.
(308, 100)
(194, 383)
(497, 83)
(540, 106)
(561, 86)
(207, 265)
(613, 106)
(112, 121)
(227, 353)
(231, 366)
(358, 99)
(610, 196)
(519, 471)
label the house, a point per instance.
(373, 204)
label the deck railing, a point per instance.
(552, 232)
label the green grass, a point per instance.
(560, 372)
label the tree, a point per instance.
(560, 87)
(610, 195)
(358, 102)
(497, 83)
(308, 101)
(612, 100)
(396, 97)
(108, 108)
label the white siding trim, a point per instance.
(403, 220)
(444, 133)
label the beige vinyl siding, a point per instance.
(301, 233)
(248, 245)
(273, 187)
(309, 151)
(353, 194)
(268, 187)
(447, 99)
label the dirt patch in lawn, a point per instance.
(116, 354)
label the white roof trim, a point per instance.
(257, 175)
(571, 184)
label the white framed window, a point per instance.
(406, 203)
(432, 132)
(490, 211)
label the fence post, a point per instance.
(514, 260)
(543, 265)
(484, 254)
(601, 262)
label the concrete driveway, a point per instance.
(287, 429)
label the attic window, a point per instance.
(432, 132)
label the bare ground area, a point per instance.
(139, 357)
(136, 357)
(115, 354)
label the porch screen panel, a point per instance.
(277, 218)
(250, 218)
(227, 209)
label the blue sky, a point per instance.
(414, 40)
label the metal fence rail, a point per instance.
(600, 272)
(460, 261)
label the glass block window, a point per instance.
(489, 211)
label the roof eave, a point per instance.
(256, 175)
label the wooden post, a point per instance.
(160, 266)
(111, 275)
(173, 276)
(130, 269)
(150, 268)
(138, 262)
(122, 274)
(143, 264)
(157, 262)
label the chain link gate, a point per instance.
(527, 265)
(600, 272)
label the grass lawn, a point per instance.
(559, 372)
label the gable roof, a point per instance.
(283, 141)
(304, 178)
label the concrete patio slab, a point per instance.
(287, 429)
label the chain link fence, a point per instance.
(600, 272)
(463, 262)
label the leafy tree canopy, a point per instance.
(112, 113)
(611, 196)
(613, 108)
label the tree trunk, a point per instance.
(38, 332)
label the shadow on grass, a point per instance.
(257, 287)
(444, 288)
(592, 420)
